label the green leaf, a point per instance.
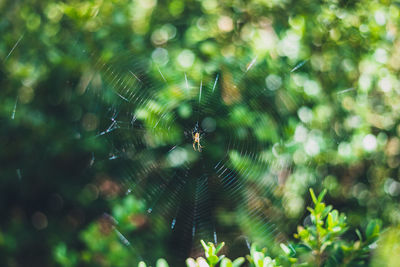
(212, 260)
(322, 195)
(311, 210)
(326, 211)
(303, 233)
(330, 221)
(219, 247)
(210, 251)
(190, 262)
(359, 234)
(253, 249)
(200, 261)
(162, 263)
(142, 264)
(258, 258)
(372, 229)
(285, 249)
(204, 245)
(226, 263)
(292, 250)
(314, 198)
(238, 262)
(268, 262)
(335, 216)
(319, 208)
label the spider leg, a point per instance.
(194, 147)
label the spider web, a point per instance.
(149, 134)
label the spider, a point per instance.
(196, 135)
(196, 139)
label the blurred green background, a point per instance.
(329, 70)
